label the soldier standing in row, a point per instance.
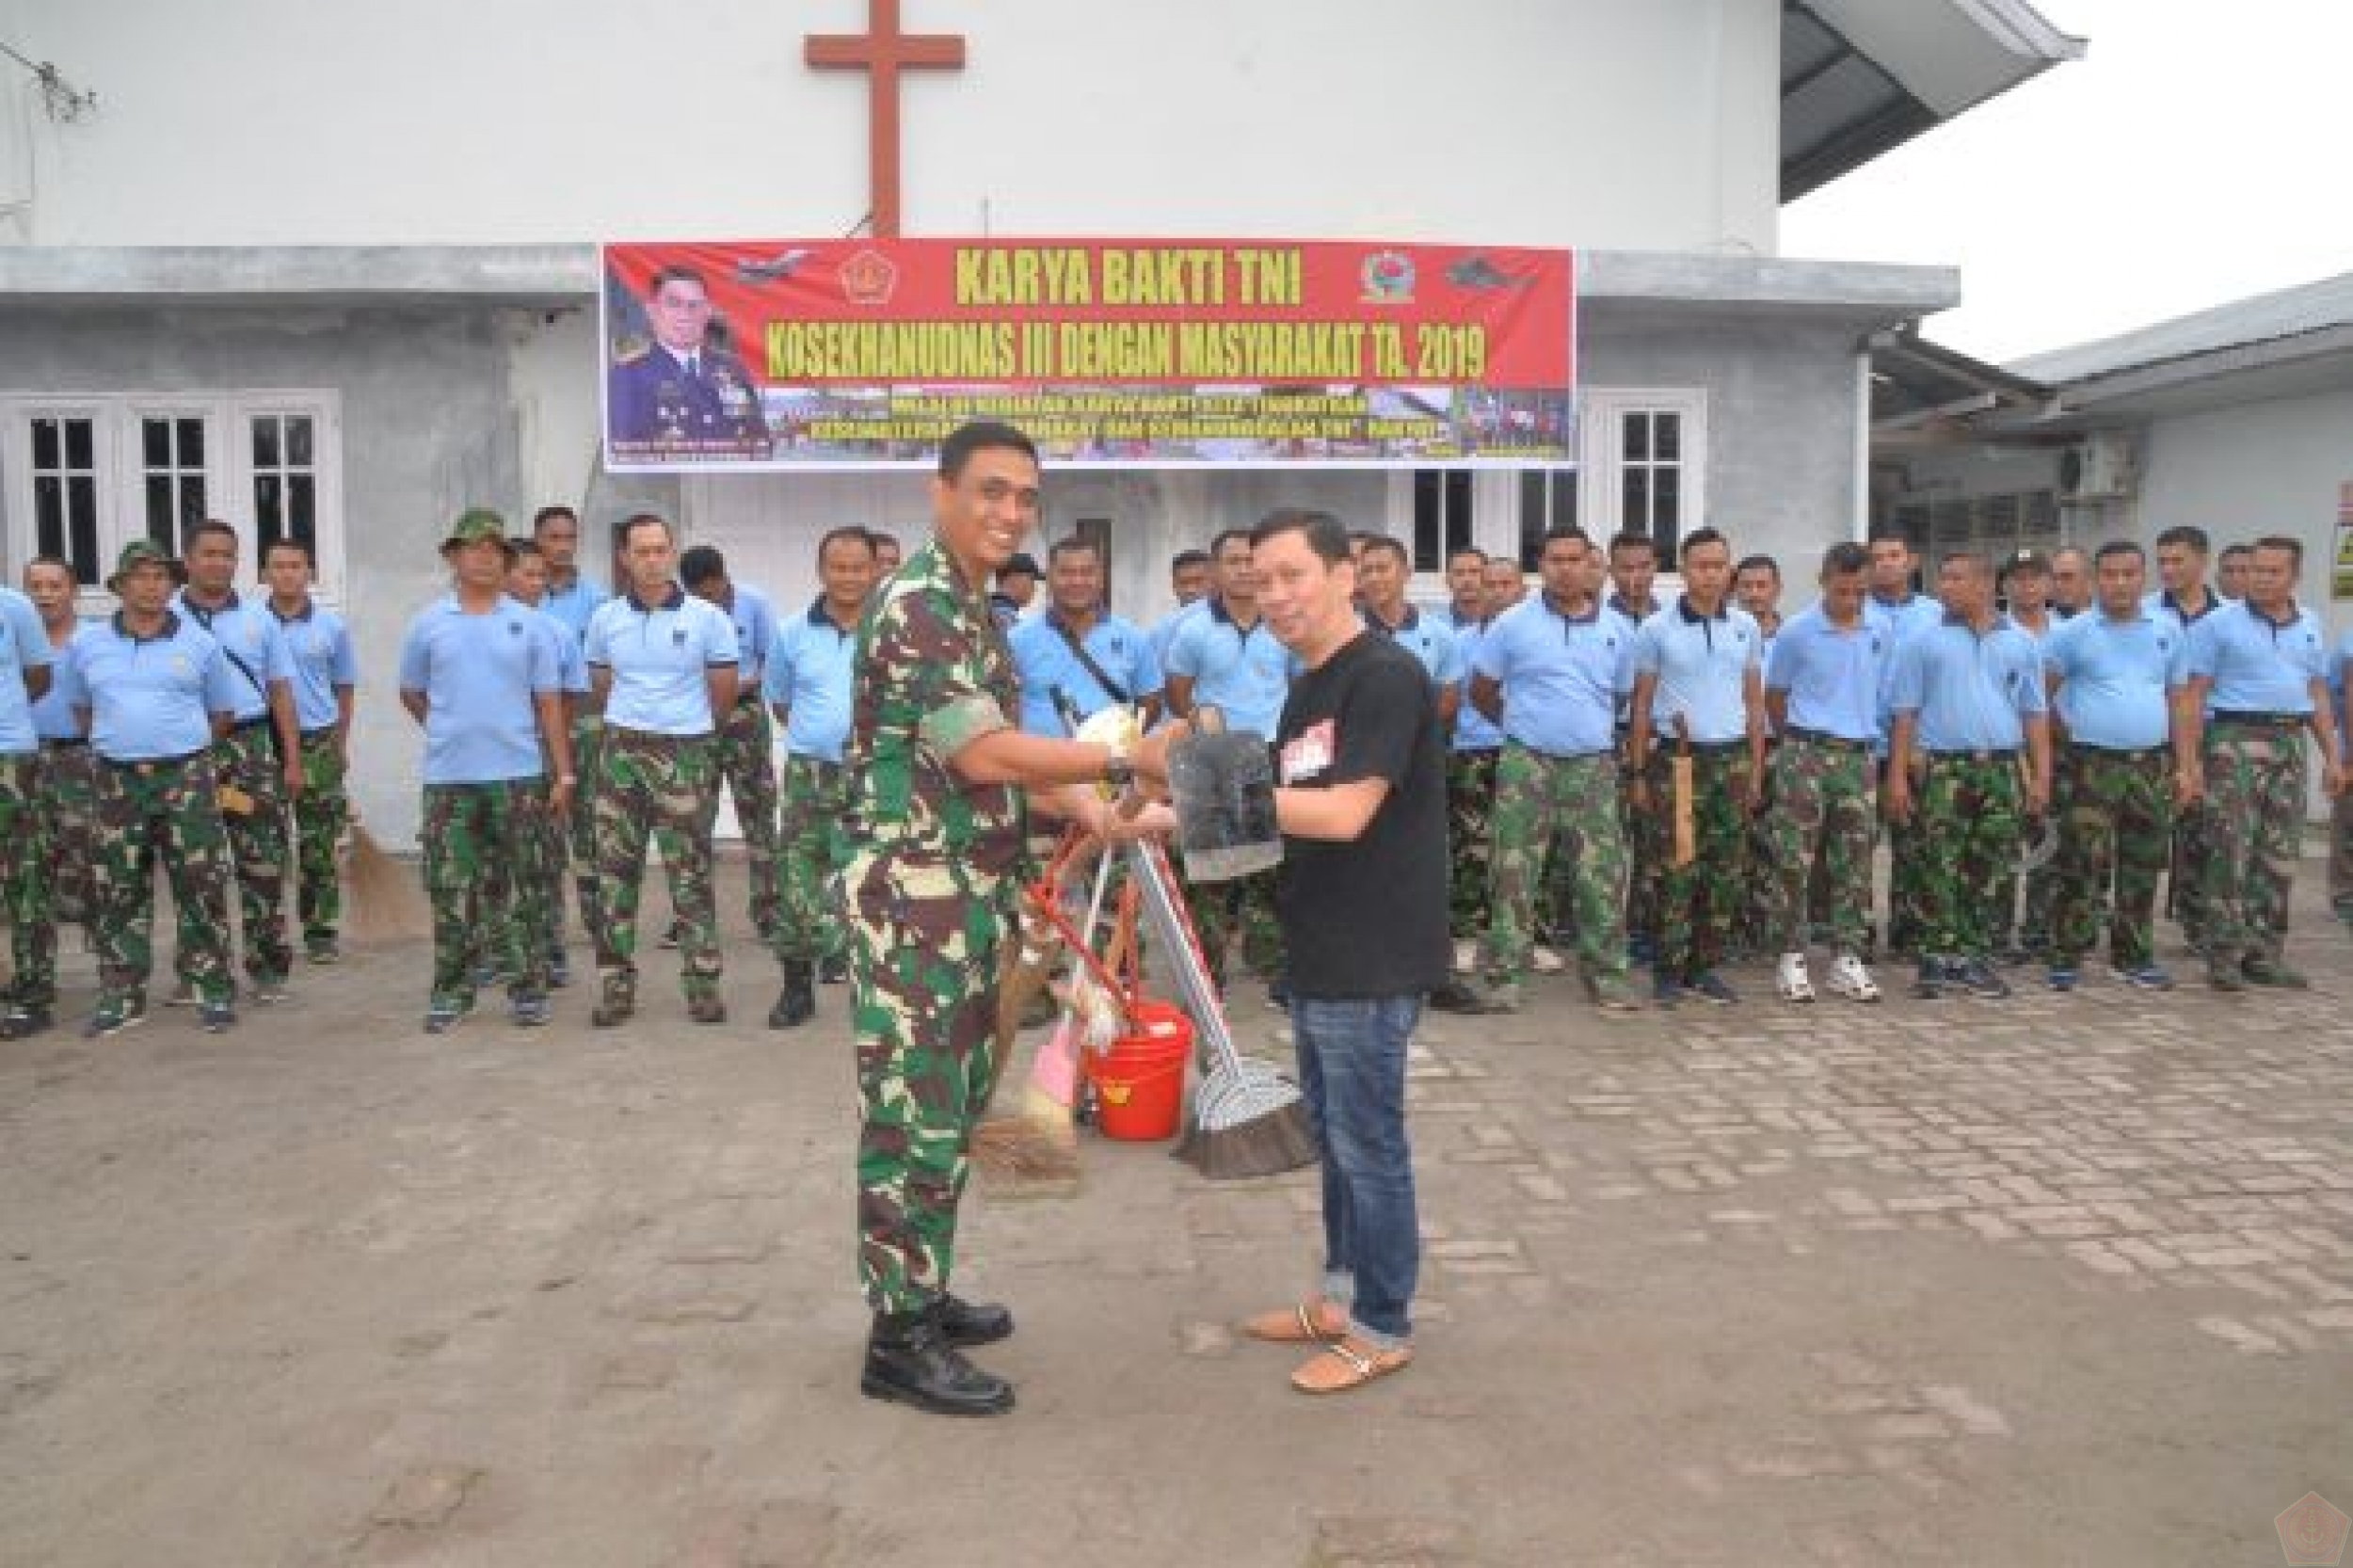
(1969, 692)
(64, 787)
(2261, 665)
(527, 584)
(1473, 749)
(25, 677)
(1822, 684)
(1756, 588)
(2184, 598)
(1550, 672)
(326, 678)
(745, 746)
(808, 686)
(939, 770)
(2022, 925)
(153, 692)
(259, 762)
(1900, 611)
(662, 666)
(572, 598)
(2110, 671)
(479, 671)
(1079, 652)
(1633, 570)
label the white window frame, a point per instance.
(228, 470)
(1495, 501)
(1601, 454)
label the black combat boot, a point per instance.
(798, 1003)
(969, 1323)
(908, 1359)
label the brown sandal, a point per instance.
(1310, 1323)
(1347, 1364)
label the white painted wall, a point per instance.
(1641, 124)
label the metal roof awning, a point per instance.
(1923, 390)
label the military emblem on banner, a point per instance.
(868, 278)
(1388, 277)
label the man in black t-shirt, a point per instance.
(1361, 899)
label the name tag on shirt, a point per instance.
(1309, 753)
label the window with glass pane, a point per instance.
(1651, 479)
(1442, 516)
(1548, 501)
(65, 492)
(285, 480)
(171, 455)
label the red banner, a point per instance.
(781, 354)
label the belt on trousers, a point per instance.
(2135, 754)
(1990, 754)
(150, 764)
(1703, 748)
(1565, 755)
(63, 743)
(322, 730)
(652, 737)
(256, 722)
(1823, 738)
(2245, 719)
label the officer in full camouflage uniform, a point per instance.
(479, 671)
(153, 692)
(1969, 692)
(938, 767)
(662, 665)
(26, 676)
(1551, 671)
(2255, 682)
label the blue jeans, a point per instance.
(1351, 1068)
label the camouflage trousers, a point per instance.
(2193, 851)
(1818, 829)
(320, 814)
(1698, 902)
(665, 788)
(261, 849)
(1637, 828)
(2341, 855)
(2115, 833)
(588, 760)
(1246, 903)
(1470, 799)
(1564, 808)
(167, 812)
(923, 954)
(2028, 917)
(745, 750)
(482, 848)
(1907, 876)
(2254, 816)
(1756, 923)
(809, 843)
(528, 919)
(1967, 840)
(67, 798)
(25, 882)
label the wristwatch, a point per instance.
(1117, 771)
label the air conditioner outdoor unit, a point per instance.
(2101, 467)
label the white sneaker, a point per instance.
(1466, 957)
(1850, 980)
(1791, 980)
(1548, 962)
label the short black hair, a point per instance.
(209, 526)
(2184, 533)
(58, 561)
(674, 274)
(1227, 536)
(2294, 547)
(880, 536)
(290, 541)
(1184, 559)
(1461, 549)
(546, 515)
(2124, 546)
(848, 532)
(701, 564)
(1631, 538)
(1699, 537)
(1758, 563)
(629, 524)
(2230, 549)
(1845, 558)
(980, 434)
(1389, 542)
(1056, 551)
(1559, 532)
(525, 549)
(1324, 533)
(1890, 533)
(1976, 560)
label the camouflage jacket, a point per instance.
(933, 674)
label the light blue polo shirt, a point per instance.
(575, 605)
(1427, 639)
(2257, 665)
(1971, 691)
(1473, 729)
(1245, 675)
(153, 697)
(2113, 677)
(571, 661)
(1043, 655)
(319, 645)
(2162, 602)
(660, 656)
(24, 646)
(1166, 628)
(248, 633)
(754, 622)
(1833, 674)
(479, 675)
(1913, 613)
(1561, 675)
(1702, 663)
(809, 676)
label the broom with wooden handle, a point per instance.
(1036, 1148)
(387, 901)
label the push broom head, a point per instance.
(387, 901)
(1248, 1121)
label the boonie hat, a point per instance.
(478, 525)
(140, 553)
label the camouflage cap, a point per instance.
(477, 525)
(140, 552)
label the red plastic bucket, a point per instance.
(1139, 1082)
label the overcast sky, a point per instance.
(2198, 153)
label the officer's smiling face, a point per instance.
(51, 589)
(986, 511)
(680, 312)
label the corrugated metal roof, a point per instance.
(2264, 318)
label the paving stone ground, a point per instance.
(2067, 1280)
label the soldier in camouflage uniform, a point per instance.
(662, 666)
(1969, 692)
(25, 676)
(1549, 672)
(938, 768)
(744, 749)
(571, 598)
(326, 675)
(152, 690)
(68, 782)
(2255, 681)
(527, 582)
(1633, 568)
(2111, 668)
(479, 670)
